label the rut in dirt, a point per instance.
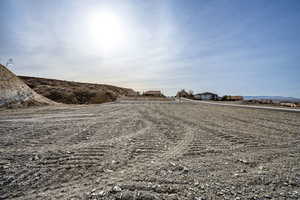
(149, 150)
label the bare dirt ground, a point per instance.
(161, 150)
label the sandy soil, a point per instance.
(157, 150)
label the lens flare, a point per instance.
(106, 30)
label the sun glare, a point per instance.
(106, 30)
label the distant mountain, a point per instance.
(275, 98)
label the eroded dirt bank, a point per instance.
(149, 151)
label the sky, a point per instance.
(224, 46)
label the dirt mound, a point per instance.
(74, 92)
(14, 92)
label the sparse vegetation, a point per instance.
(185, 94)
(75, 93)
(232, 98)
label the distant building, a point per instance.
(206, 96)
(153, 93)
(232, 98)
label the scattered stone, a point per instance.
(243, 161)
(146, 196)
(108, 170)
(6, 166)
(185, 170)
(98, 194)
(261, 167)
(173, 197)
(126, 195)
(199, 198)
(116, 189)
(36, 157)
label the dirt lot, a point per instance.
(147, 151)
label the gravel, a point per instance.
(149, 150)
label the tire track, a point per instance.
(86, 156)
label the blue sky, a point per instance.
(228, 47)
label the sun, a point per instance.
(106, 30)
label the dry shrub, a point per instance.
(75, 93)
(84, 96)
(102, 97)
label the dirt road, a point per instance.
(238, 104)
(161, 150)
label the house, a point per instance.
(153, 93)
(206, 96)
(232, 98)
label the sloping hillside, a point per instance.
(74, 92)
(14, 92)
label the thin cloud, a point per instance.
(215, 46)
